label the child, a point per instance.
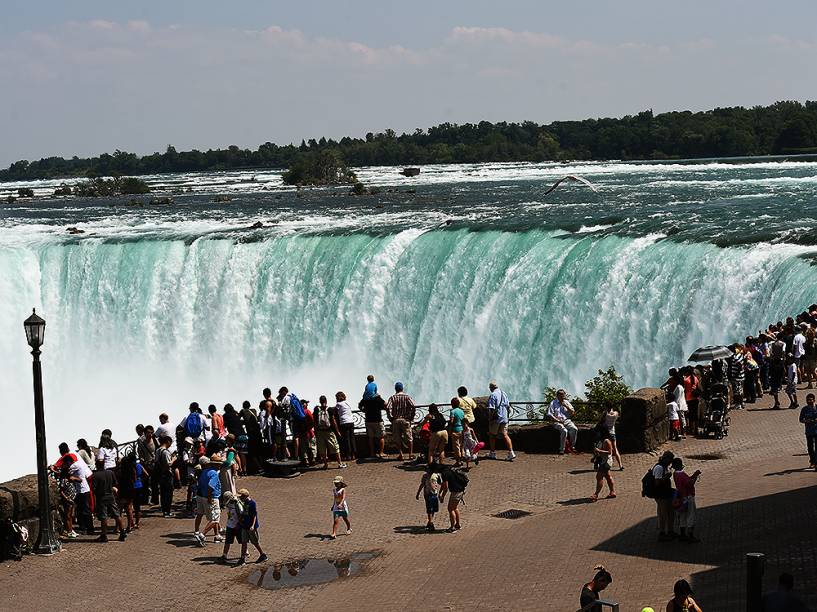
(430, 486)
(471, 444)
(249, 527)
(685, 505)
(674, 421)
(791, 381)
(234, 508)
(340, 507)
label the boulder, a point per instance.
(19, 501)
(643, 425)
(410, 171)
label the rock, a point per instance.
(643, 424)
(222, 198)
(75, 230)
(410, 171)
(25, 192)
(257, 225)
(19, 501)
(165, 201)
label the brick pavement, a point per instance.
(756, 497)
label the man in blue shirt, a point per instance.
(208, 493)
(808, 417)
(498, 410)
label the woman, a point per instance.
(608, 420)
(107, 452)
(346, 422)
(235, 425)
(679, 397)
(601, 461)
(682, 600)
(126, 483)
(85, 453)
(439, 435)
(229, 466)
(266, 422)
(590, 591)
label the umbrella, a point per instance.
(709, 353)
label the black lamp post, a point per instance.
(47, 542)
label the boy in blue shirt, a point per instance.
(808, 417)
(249, 527)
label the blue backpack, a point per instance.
(193, 426)
(296, 408)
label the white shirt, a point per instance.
(167, 430)
(680, 398)
(559, 410)
(658, 472)
(672, 408)
(108, 457)
(78, 468)
(799, 346)
(344, 413)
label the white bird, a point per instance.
(571, 177)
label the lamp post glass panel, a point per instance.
(47, 542)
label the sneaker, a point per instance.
(349, 531)
(261, 558)
(218, 538)
(72, 534)
(342, 466)
(200, 540)
(241, 562)
(457, 527)
(451, 530)
(492, 455)
(511, 456)
(122, 536)
(166, 515)
(102, 538)
(429, 526)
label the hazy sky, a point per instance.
(84, 77)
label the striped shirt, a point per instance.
(401, 406)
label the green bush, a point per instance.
(319, 168)
(607, 386)
(101, 188)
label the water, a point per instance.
(474, 276)
(307, 572)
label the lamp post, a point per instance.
(47, 542)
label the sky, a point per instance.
(92, 76)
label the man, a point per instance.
(164, 474)
(194, 424)
(808, 417)
(691, 393)
(498, 406)
(737, 375)
(207, 496)
(467, 405)
(559, 413)
(375, 431)
(662, 493)
(105, 492)
(783, 600)
(253, 428)
(454, 482)
(371, 388)
(401, 411)
(290, 405)
(216, 422)
(799, 348)
(146, 451)
(165, 429)
(65, 451)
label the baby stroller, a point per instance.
(716, 414)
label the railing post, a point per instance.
(755, 564)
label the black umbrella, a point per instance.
(710, 353)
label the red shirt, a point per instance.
(218, 425)
(690, 383)
(58, 464)
(684, 484)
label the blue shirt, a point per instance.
(249, 519)
(498, 405)
(209, 480)
(809, 412)
(137, 484)
(370, 391)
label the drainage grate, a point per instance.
(513, 513)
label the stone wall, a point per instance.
(19, 501)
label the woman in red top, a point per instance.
(684, 502)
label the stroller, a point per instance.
(716, 413)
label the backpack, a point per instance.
(324, 421)
(648, 484)
(457, 481)
(296, 408)
(193, 425)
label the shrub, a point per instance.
(607, 386)
(319, 168)
(101, 188)
(25, 192)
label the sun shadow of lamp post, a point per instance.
(47, 542)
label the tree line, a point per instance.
(782, 128)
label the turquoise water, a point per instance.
(475, 276)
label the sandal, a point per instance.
(594, 498)
(611, 496)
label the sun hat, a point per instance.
(204, 460)
(189, 440)
(228, 495)
(339, 480)
(243, 493)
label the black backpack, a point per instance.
(648, 484)
(457, 480)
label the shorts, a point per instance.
(209, 510)
(234, 533)
(456, 496)
(791, 388)
(340, 513)
(241, 443)
(676, 424)
(298, 427)
(438, 441)
(375, 430)
(809, 365)
(432, 504)
(107, 509)
(401, 430)
(327, 443)
(249, 536)
(613, 436)
(497, 429)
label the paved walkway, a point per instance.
(754, 496)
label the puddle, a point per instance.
(306, 572)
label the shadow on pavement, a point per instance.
(181, 540)
(780, 525)
(207, 560)
(320, 536)
(417, 530)
(575, 502)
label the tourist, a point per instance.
(186, 463)
(194, 424)
(454, 482)
(684, 501)
(85, 453)
(268, 423)
(736, 377)
(375, 431)
(234, 423)
(146, 447)
(105, 490)
(79, 472)
(327, 433)
(164, 474)
(282, 416)
(682, 598)
(126, 479)
(798, 345)
(308, 445)
(65, 453)
(430, 487)
(346, 422)
(439, 435)
(777, 376)
(107, 450)
(471, 445)
(233, 508)
(207, 503)
(601, 461)
(371, 388)
(229, 466)
(467, 404)
(340, 506)
(401, 411)
(165, 429)
(674, 420)
(559, 412)
(498, 416)
(590, 591)
(808, 417)
(293, 407)
(783, 599)
(750, 377)
(253, 429)
(68, 495)
(608, 419)
(456, 424)
(216, 422)
(663, 493)
(679, 397)
(692, 392)
(791, 381)
(249, 527)
(809, 363)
